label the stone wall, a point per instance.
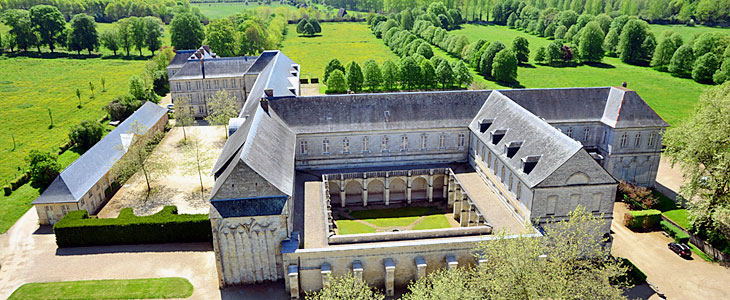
(244, 183)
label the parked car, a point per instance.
(681, 249)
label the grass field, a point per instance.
(345, 41)
(673, 98)
(221, 10)
(403, 218)
(685, 31)
(151, 288)
(679, 216)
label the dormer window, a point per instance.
(511, 148)
(484, 125)
(497, 135)
(529, 163)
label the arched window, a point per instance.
(637, 140)
(384, 144)
(404, 143)
(652, 137)
(624, 140)
(424, 141)
(442, 141)
(345, 145)
(326, 146)
(365, 144)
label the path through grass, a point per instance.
(406, 218)
(150, 288)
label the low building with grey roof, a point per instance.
(87, 183)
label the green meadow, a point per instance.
(221, 10)
(673, 98)
(150, 288)
(346, 41)
(686, 31)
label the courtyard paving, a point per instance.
(180, 185)
(496, 212)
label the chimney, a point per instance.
(265, 104)
(202, 66)
(624, 84)
(269, 93)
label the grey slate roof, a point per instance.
(538, 137)
(181, 57)
(616, 107)
(366, 112)
(215, 68)
(78, 178)
(257, 206)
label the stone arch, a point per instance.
(334, 191)
(397, 190)
(419, 188)
(438, 186)
(376, 192)
(353, 192)
(577, 178)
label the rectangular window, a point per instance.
(197, 85)
(652, 137)
(187, 86)
(384, 144)
(346, 145)
(303, 147)
(177, 84)
(569, 132)
(460, 141)
(502, 175)
(442, 141)
(208, 84)
(225, 84)
(365, 144)
(64, 209)
(624, 140)
(637, 140)
(201, 109)
(326, 146)
(404, 143)
(586, 133)
(233, 83)
(216, 84)
(603, 138)
(424, 140)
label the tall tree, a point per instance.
(354, 77)
(333, 64)
(220, 35)
(125, 28)
(445, 74)
(83, 34)
(186, 31)
(591, 43)
(153, 33)
(139, 33)
(44, 168)
(336, 82)
(428, 74)
(221, 108)
(110, 39)
(699, 145)
(409, 72)
(504, 68)
(705, 66)
(462, 75)
(373, 77)
(663, 53)
(48, 23)
(521, 48)
(85, 134)
(139, 157)
(197, 159)
(21, 29)
(485, 65)
(682, 62)
(630, 42)
(391, 73)
(184, 114)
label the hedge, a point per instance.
(76, 229)
(633, 276)
(7, 190)
(677, 234)
(643, 219)
(20, 181)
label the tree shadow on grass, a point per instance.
(600, 65)
(529, 66)
(56, 55)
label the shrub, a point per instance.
(86, 134)
(643, 219)
(77, 229)
(633, 276)
(635, 196)
(20, 181)
(677, 234)
(7, 190)
(336, 82)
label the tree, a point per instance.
(153, 33)
(78, 96)
(462, 75)
(409, 72)
(346, 287)
(184, 114)
(48, 23)
(610, 43)
(139, 157)
(309, 30)
(425, 50)
(504, 68)
(723, 74)
(186, 31)
(550, 31)
(315, 25)
(714, 42)
(220, 35)
(139, 33)
(705, 66)
(197, 159)
(83, 34)
(445, 74)
(354, 77)
(591, 43)
(373, 77)
(406, 20)
(485, 65)
(630, 42)
(125, 27)
(428, 74)
(122, 107)
(699, 146)
(521, 48)
(44, 168)
(85, 134)
(682, 62)
(391, 73)
(664, 51)
(554, 53)
(336, 82)
(221, 108)
(333, 64)
(92, 88)
(21, 29)
(560, 32)
(110, 39)
(540, 55)
(300, 25)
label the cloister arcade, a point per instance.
(388, 187)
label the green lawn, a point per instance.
(394, 217)
(353, 227)
(345, 41)
(679, 216)
(221, 10)
(432, 222)
(699, 252)
(14, 206)
(151, 288)
(673, 98)
(685, 31)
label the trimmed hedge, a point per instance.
(643, 219)
(20, 181)
(76, 229)
(7, 190)
(677, 234)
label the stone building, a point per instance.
(498, 160)
(198, 75)
(87, 183)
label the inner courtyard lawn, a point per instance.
(673, 98)
(150, 288)
(402, 218)
(346, 41)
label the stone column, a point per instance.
(465, 212)
(445, 190)
(457, 202)
(409, 182)
(389, 277)
(451, 262)
(364, 191)
(420, 267)
(357, 269)
(473, 216)
(325, 270)
(429, 192)
(451, 192)
(386, 193)
(294, 281)
(343, 196)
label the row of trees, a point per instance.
(108, 10)
(308, 27)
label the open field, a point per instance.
(685, 31)
(221, 10)
(345, 41)
(381, 220)
(673, 98)
(150, 288)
